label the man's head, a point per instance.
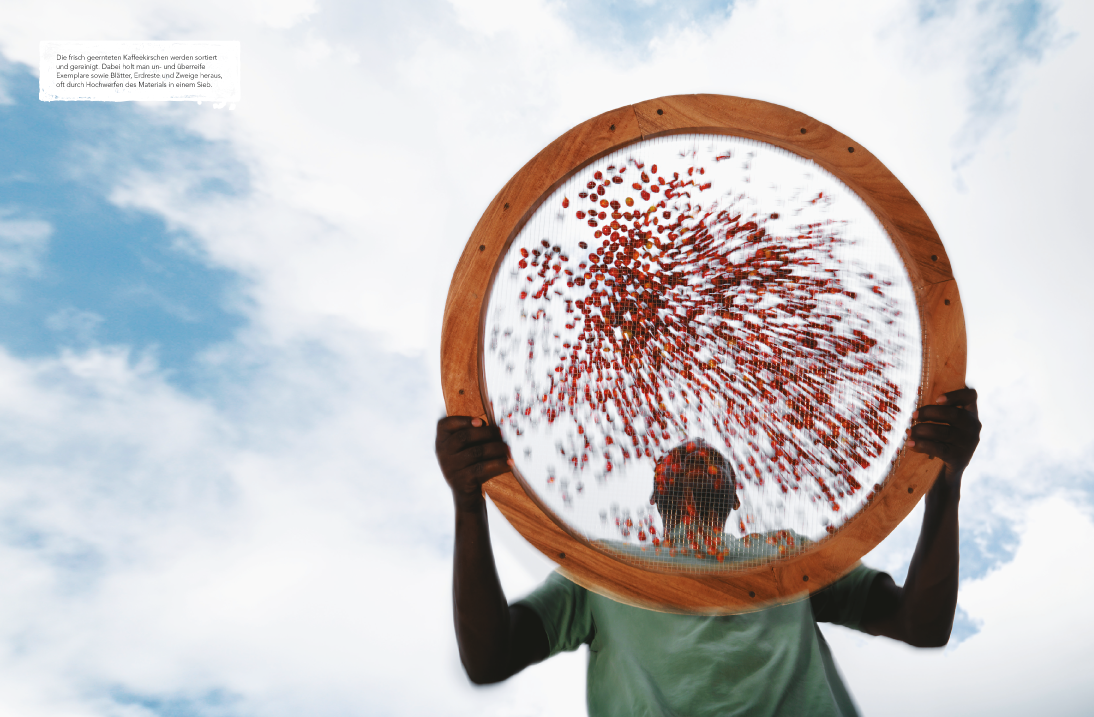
(694, 484)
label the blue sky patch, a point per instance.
(964, 627)
(76, 270)
(215, 703)
(1020, 32)
(631, 25)
(987, 542)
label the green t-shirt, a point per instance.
(641, 662)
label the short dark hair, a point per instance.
(694, 479)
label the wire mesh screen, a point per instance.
(703, 352)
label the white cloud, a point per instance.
(23, 242)
(283, 14)
(283, 536)
(155, 548)
(1027, 658)
(529, 19)
(80, 324)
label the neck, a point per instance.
(708, 527)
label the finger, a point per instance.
(953, 416)
(961, 397)
(478, 454)
(461, 440)
(484, 471)
(451, 424)
(470, 436)
(937, 432)
(934, 449)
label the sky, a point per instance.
(219, 336)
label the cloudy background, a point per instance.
(219, 335)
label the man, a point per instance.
(694, 490)
(770, 662)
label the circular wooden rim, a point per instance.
(917, 242)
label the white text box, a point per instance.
(153, 70)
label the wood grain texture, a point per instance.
(916, 240)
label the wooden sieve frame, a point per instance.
(941, 319)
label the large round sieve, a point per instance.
(708, 271)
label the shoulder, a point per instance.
(564, 608)
(844, 601)
(554, 585)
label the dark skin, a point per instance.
(708, 522)
(497, 640)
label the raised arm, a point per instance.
(921, 612)
(496, 641)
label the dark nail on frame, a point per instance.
(482, 247)
(803, 130)
(562, 555)
(461, 391)
(660, 112)
(909, 489)
(850, 149)
(506, 205)
(934, 257)
(947, 302)
(612, 128)
(751, 593)
(805, 578)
